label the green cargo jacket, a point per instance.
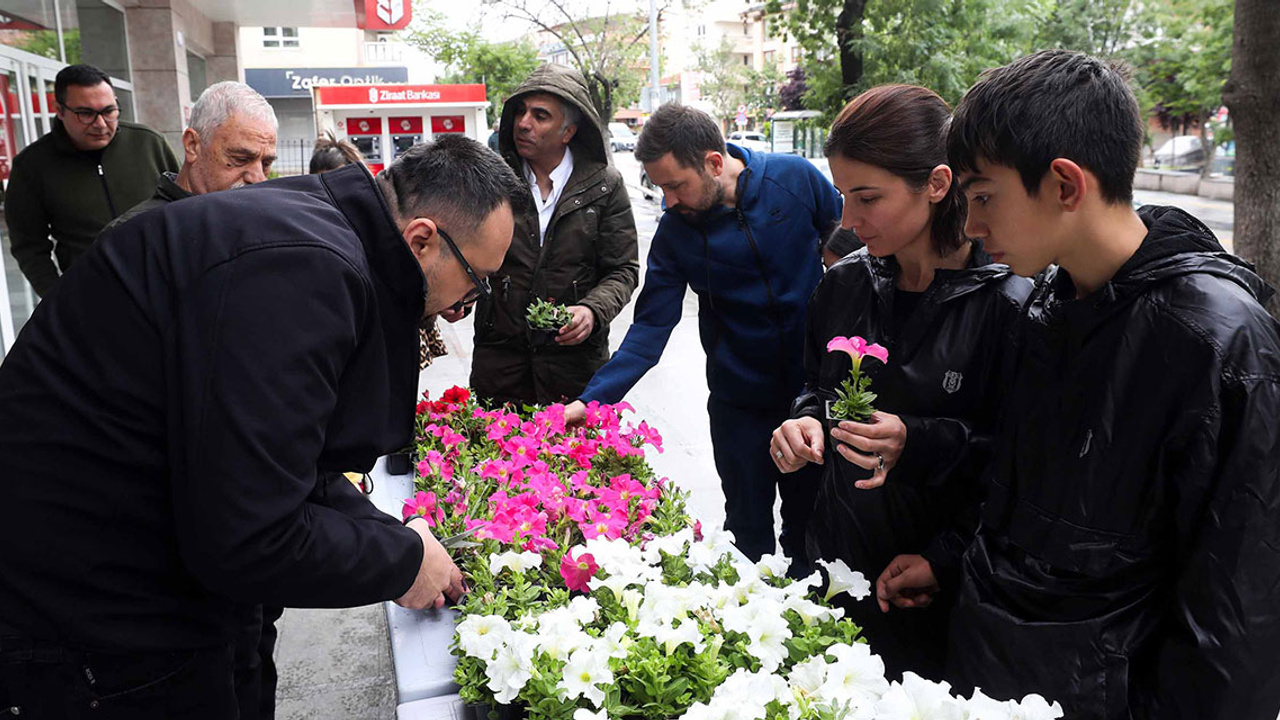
(59, 198)
(589, 257)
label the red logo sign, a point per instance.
(448, 124)
(386, 14)
(364, 126)
(398, 94)
(406, 125)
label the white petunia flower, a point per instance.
(856, 676)
(585, 714)
(701, 557)
(480, 636)
(615, 642)
(512, 668)
(773, 566)
(615, 582)
(806, 677)
(769, 634)
(719, 539)
(842, 579)
(673, 636)
(517, 561)
(584, 609)
(811, 612)
(918, 699)
(1035, 707)
(670, 544)
(583, 674)
(981, 707)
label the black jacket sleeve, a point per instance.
(809, 403)
(1214, 655)
(259, 350)
(24, 214)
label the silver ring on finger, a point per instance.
(880, 465)
(776, 453)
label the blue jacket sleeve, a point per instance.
(829, 203)
(657, 311)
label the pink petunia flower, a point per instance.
(577, 572)
(858, 348)
(423, 505)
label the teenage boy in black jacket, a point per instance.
(171, 418)
(1128, 561)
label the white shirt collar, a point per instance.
(559, 178)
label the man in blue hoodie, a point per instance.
(742, 230)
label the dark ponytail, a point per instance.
(903, 129)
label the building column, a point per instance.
(224, 63)
(159, 74)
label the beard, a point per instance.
(711, 196)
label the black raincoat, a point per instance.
(940, 379)
(1128, 560)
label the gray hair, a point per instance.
(572, 115)
(222, 100)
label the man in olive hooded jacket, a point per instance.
(575, 245)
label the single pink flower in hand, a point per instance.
(857, 348)
(577, 572)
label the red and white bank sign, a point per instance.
(386, 14)
(373, 95)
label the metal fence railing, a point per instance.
(293, 156)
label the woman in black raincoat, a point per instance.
(943, 309)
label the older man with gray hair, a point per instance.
(229, 143)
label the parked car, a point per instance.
(1180, 152)
(621, 137)
(1224, 159)
(750, 140)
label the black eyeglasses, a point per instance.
(482, 288)
(89, 116)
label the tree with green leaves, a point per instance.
(828, 32)
(727, 83)
(1099, 27)
(940, 44)
(472, 59)
(609, 48)
(45, 44)
(1182, 61)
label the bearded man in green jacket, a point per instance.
(91, 167)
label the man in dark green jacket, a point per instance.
(574, 245)
(66, 186)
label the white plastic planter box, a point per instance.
(419, 638)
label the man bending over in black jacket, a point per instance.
(174, 419)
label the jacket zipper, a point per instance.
(774, 310)
(106, 191)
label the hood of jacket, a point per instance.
(979, 271)
(1176, 245)
(566, 83)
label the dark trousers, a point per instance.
(255, 667)
(41, 681)
(740, 442)
(266, 655)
